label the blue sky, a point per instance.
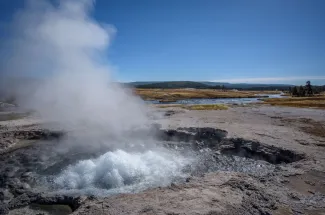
(269, 41)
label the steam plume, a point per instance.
(65, 46)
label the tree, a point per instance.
(317, 89)
(309, 90)
(217, 87)
(294, 91)
(223, 87)
(301, 91)
(290, 90)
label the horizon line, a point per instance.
(266, 80)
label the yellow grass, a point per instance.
(302, 102)
(197, 107)
(168, 106)
(206, 107)
(178, 94)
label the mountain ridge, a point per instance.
(202, 84)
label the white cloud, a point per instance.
(272, 79)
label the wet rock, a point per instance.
(5, 195)
(26, 175)
(92, 197)
(19, 191)
(20, 201)
(9, 174)
(256, 150)
(3, 209)
(203, 138)
(28, 198)
(73, 202)
(37, 134)
(169, 113)
(209, 137)
(14, 183)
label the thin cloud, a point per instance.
(271, 79)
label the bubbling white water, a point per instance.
(122, 172)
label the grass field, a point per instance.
(206, 107)
(178, 94)
(303, 102)
(197, 107)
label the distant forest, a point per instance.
(175, 85)
(215, 85)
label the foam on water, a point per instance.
(122, 172)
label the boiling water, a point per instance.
(104, 171)
(120, 172)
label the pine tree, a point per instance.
(309, 90)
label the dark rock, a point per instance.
(311, 183)
(262, 180)
(5, 195)
(3, 209)
(73, 202)
(256, 150)
(169, 113)
(26, 175)
(294, 196)
(209, 137)
(92, 197)
(19, 191)
(20, 201)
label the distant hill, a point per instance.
(244, 85)
(137, 83)
(208, 85)
(174, 85)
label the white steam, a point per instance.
(67, 48)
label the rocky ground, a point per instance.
(291, 140)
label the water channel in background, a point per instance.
(220, 101)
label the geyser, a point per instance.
(66, 50)
(122, 172)
(53, 167)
